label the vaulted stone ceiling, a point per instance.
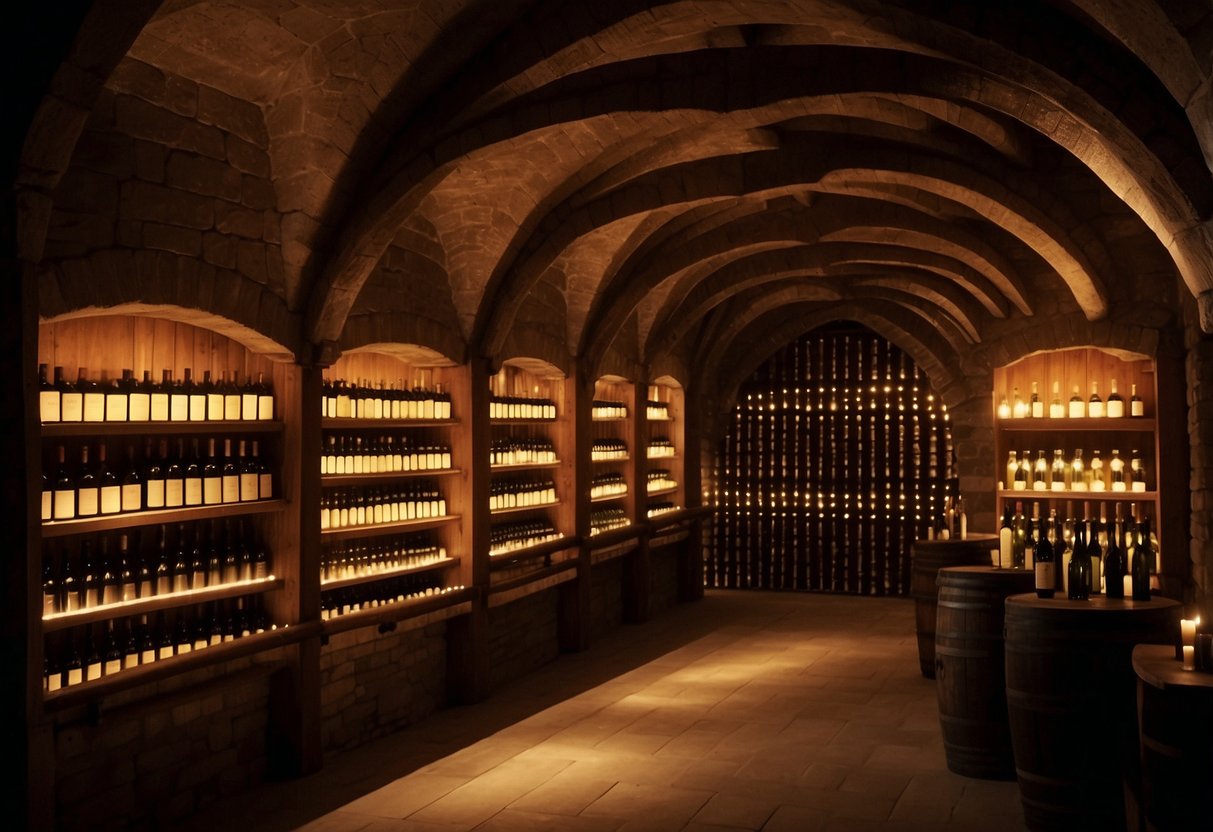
(623, 183)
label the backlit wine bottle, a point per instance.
(128, 587)
(94, 397)
(111, 653)
(265, 478)
(164, 638)
(196, 396)
(49, 408)
(72, 664)
(71, 399)
(1006, 535)
(1143, 556)
(1137, 407)
(1044, 565)
(1019, 537)
(1059, 472)
(174, 478)
(1040, 473)
(117, 398)
(1115, 406)
(248, 399)
(63, 490)
(1114, 562)
(132, 483)
(161, 406)
(214, 398)
(1137, 472)
(1117, 466)
(231, 398)
(88, 492)
(50, 586)
(197, 558)
(71, 590)
(130, 650)
(265, 398)
(1095, 552)
(1095, 404)
(140, 406)
(229, 475)
(153, 476)
(178, 401)
(111, 587)
(92, 656)
(248, 475)
(109, 489)
(1078, 407)
(1078, 585)
(1036, 407)
(164, 567)
(192, 478)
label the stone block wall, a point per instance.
(663, 584)
(522, 637)
(373, 684)
(606, 597)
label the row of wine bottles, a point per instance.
(507, 537)
(92, 573)
(659, 447)
(126, 399)
(659, 479)
(605, 519)
(1075, 474)
(606, 450)
(362, 399)
(521, 407)
(350, 507)
(91, 489)
(361, 558)
(345, 454)
(520, 451)
(77, 656)
(1077, 407)
(607, 485)
(1082, 555)
(603, 409)
(516, 493)
(351, 599)
(655, 509)
(657, 411)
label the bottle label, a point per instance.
(1116, 410)
(248, 406)
(197, 408)
(193, 491)
(1139, 408)
(231, 408)
(93, 671)
(132, 497)
(75, 676)
(212, 491)
(47, 505)
(71, 407)
(159, 407)
(112, 666)
(140, 407)
(165, 652)
(179, 408)
(174, 493)
(265, 408)
(115, 407)
(1095, 410)
(214, 407)
(48, 405)
(155, 493)
(111, 499)
(130, 660)
(87, 501)
(231, 489)
(248, 487)
(1044, 575)
(265, 486)
(94, 407)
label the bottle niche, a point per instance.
(608, 450)
(660, 447)
(521, 407)
(513, 493)
(607, 486)
(605, 410)
(366, 399)
(1076, 470)
(606, 519)
(512, 450)
(369, 558)
(120, 397)
(335, 603)
(153, 474)
(1086, 401)
(659, 480)
(99, 650)
(344, 508)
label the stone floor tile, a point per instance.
(734, 812)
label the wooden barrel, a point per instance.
(969, 668)
(1072, 704)
(927, 558)
(1175, 710)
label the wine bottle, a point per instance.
(90, 577)
(63, 490)
(71, 589)
(178, 401)
(1040, 473)
(131, 494)
(1095, 405)
(164, 568)
(214, 558)
(197, 561)
(229, 475)
(1019, 536)
(212, 477)
(1116, 404)
(1022, 473)
(130, 650)
(109, 489)
(231, 398)
(192, 478)
(71, 399)
(180, 569)
(49, 401)
(1114, 563)
(265, 478)
(1095, 552)
(1137, 407)
(140, 406)
(145, 578)
(1117, 466)
(1143, 556)
(174, 478)
(147, 643)
(248, 399)
(92, 656)
(153, 476)
(50, 586)
(214, 398)
(164, 638)
(111, 653)
(1006, 536)
(71, 663)
(248, 475)
(1079, 583)
(1137, 472)
(1059, 471)
(88, 491)
(94, 397)
(265, 398)
(1036, 407)
(1044, 565)
(110, 586)
(117, 398)
(160, 398)
(1078, 407)
(197, 398)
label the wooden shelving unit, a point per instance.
(613, 454)
(665, 448)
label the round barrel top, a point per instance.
(1018, 580)
(1119, 621)
(1097, 605)
(1157, 666)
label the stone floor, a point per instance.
(745, 711)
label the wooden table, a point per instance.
(1175, 725)
(1072, 703)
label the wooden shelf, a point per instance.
(523, 421)
(669, 490)
(1081, 496)
(614, 459)
(380, 529)
(525, 466)
(1127, 424)
(425, 610)
(50, 430)
(600, 419)
(536, 550)
(134, 519)
(521, 509)
(338, 480)
(608, 498)
(142, 606)
(334, 423)
(370, 577)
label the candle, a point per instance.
(1128, 586)
(1187, 632)
(1189, 657)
